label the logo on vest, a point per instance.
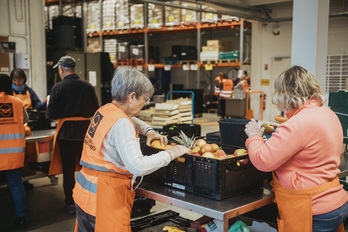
(94, 124)
(6, 110)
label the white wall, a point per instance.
(279, 46)
(24, 24)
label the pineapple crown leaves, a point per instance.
(183, 139)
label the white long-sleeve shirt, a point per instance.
(122, 148)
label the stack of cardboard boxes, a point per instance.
(213, 49)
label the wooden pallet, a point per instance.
(135, 62)
(224, 61)
(122, 62)
(188, 61)
(210, 61)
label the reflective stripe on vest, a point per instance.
(12, 136)
(99, 168)
(12, 150)
(86, 184)
(226, 94)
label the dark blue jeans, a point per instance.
(15, 185)
(85, 221)
(329, 222)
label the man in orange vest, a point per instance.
(12, 146)
(112, 159)
(217, 83)
(72, 102)
(226, 88)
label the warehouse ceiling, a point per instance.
(259, 10)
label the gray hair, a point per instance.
(294, 87)
(127, 80)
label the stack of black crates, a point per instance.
(217, 179)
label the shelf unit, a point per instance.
(197, 27)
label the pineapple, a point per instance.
(183, 139)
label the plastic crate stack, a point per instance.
(122, 13)
(172, 111)
(155, 14)
(110, 46)
(93, 17)
(109, 15)
(137, 16)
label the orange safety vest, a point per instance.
(295, 205)
(102, 189)
(245, 86)
(56, 160)
(12, 137)
(217, 83)
(25, 99)
(226, 88)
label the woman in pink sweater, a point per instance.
(304, 155)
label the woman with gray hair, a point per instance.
(111, 158)
(303, 155)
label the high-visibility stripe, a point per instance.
(86, 184)
(12, 136)
(99, 168)
(12, 150)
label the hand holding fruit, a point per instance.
(153, 135)
(177, 151)
(252, 128)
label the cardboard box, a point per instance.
(210, 49)
(4, 57)
(213, 43)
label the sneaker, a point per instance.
(70, 209)
(21, 223)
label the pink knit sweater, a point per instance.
(304, 152)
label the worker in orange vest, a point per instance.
(217, 83)
(226, 88)
(112, 159)
(243, 83)
(12, 146)
(247, 78)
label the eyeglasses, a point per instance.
(147, 100)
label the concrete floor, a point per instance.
(45, 202)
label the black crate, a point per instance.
(159, 176)
(213, 137)
(212, 178)
(176, 174)
(232, 132)
(189, 129)
(220, 179)
(184, 52)
(179, 174)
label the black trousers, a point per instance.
(70, 152)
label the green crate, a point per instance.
(229, 55)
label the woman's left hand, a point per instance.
(152, 135)
(252, 128)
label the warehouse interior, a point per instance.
(182, 46)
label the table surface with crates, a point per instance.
(222, 210)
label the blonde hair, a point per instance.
(294, 87)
